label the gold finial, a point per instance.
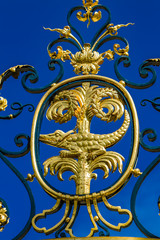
(89, 15)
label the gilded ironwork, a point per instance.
(81, 151)
(88, 61)
(14, 72)
(88, 148)
(3, 104)
(84, 151)
(4, 219)
(89, 15)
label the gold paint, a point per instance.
(68, 228)
(4, 220)
(136, 172)
(84, 152)
(154, 61)
(95, 228)
(48, 212)
(3, 104)
(30, 177)
(83, 124)
(88, 148)
(88, 61)
(88, 5)
(14, 72)
(112, 208)
(64, 33)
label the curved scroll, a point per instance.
(54, 209)
(154, 103)
(19, 108)
(18, 141)
(144, 68)
(113, 208)
(27, 227)
(33, 77)
(14, 72)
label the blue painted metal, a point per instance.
(69, 21)
(44, 107)
(19, 143)
(152, 136)
(19, 108)
(101, 233)
(154, 103)
(98, 7)
(144, 68)
(27, 227)
(15, 73)
(110, 38)
(134, 197)
(33, 77)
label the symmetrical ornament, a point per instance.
(82, 151)
(88, 148)
(88, 61)
(89, 15)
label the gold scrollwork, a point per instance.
(88, 61)
(112, 208)
(85, 151)
(3, 104)
(89, 15)
(4, 220)
(54, 209)
(88, 148)
(14, 71)
(83, 124)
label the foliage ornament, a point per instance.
(88, 61)
(82, 152)
(4, 218)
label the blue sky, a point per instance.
(24, 41)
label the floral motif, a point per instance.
(3, 217)
(88, 5)
(3, 104)
(88, 61)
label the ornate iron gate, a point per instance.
(75, 103)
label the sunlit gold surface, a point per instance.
(88, 61)
(130, 168)
(80, 157)
(88, 5)
(15, 72)
(90, 149)
(3, 104)
(136, 172)
(4, 220)
(48, 212)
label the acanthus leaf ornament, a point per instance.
(88, 61)
(88, 148)
(88, 5)
(82, 151)
(4, 218)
